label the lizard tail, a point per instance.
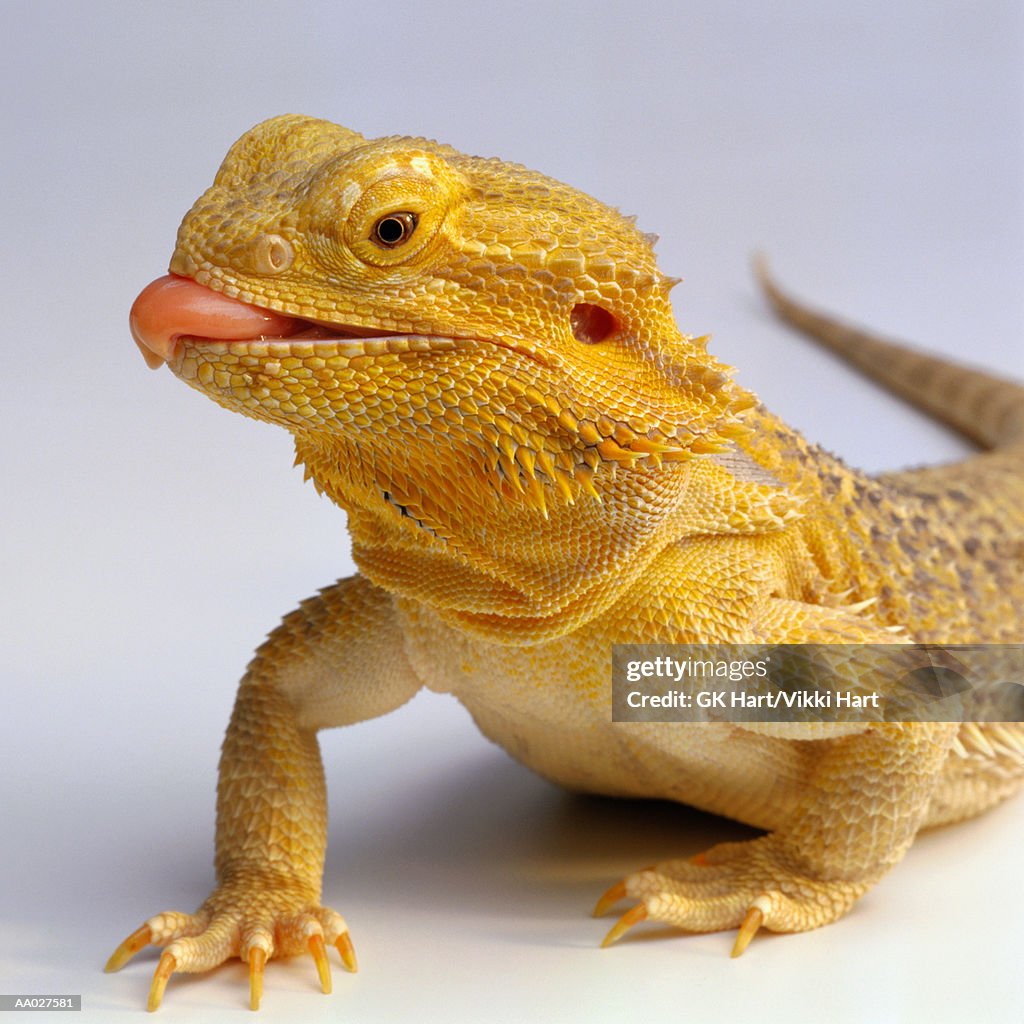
(987, 409)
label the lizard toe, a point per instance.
(749, 886)
(255, 926)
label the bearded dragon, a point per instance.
(480, 365)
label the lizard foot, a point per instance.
(748, 885)
(254, 922)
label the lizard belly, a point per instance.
(549, 706)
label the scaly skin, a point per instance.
(536, 463)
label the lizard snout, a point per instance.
(172, 307)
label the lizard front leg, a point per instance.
(863, 798)
(336, 659)
(864, 804)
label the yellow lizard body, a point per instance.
(481, 366)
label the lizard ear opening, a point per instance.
(591, 324)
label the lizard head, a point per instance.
(476, 361)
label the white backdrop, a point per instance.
(874, 150)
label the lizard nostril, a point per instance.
(591, 324)
(272, 254)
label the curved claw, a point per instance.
(624, 923)
(257, 961)
(139, 939)
(323, 968)
(748, 929)
(164, 970)
(609, 899)
(347, 952)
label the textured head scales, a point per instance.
(518, 362)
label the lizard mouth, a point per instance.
(175, 312)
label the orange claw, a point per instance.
(624, 923)
(139, 939)
(347, 952)
(748, 929)
(164, 970)
(323, 968)
(610, 898)
(257, 961)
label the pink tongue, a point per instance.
(172, 306)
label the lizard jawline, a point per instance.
(175, 313)
(316, 341)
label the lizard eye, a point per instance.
(394, 229)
